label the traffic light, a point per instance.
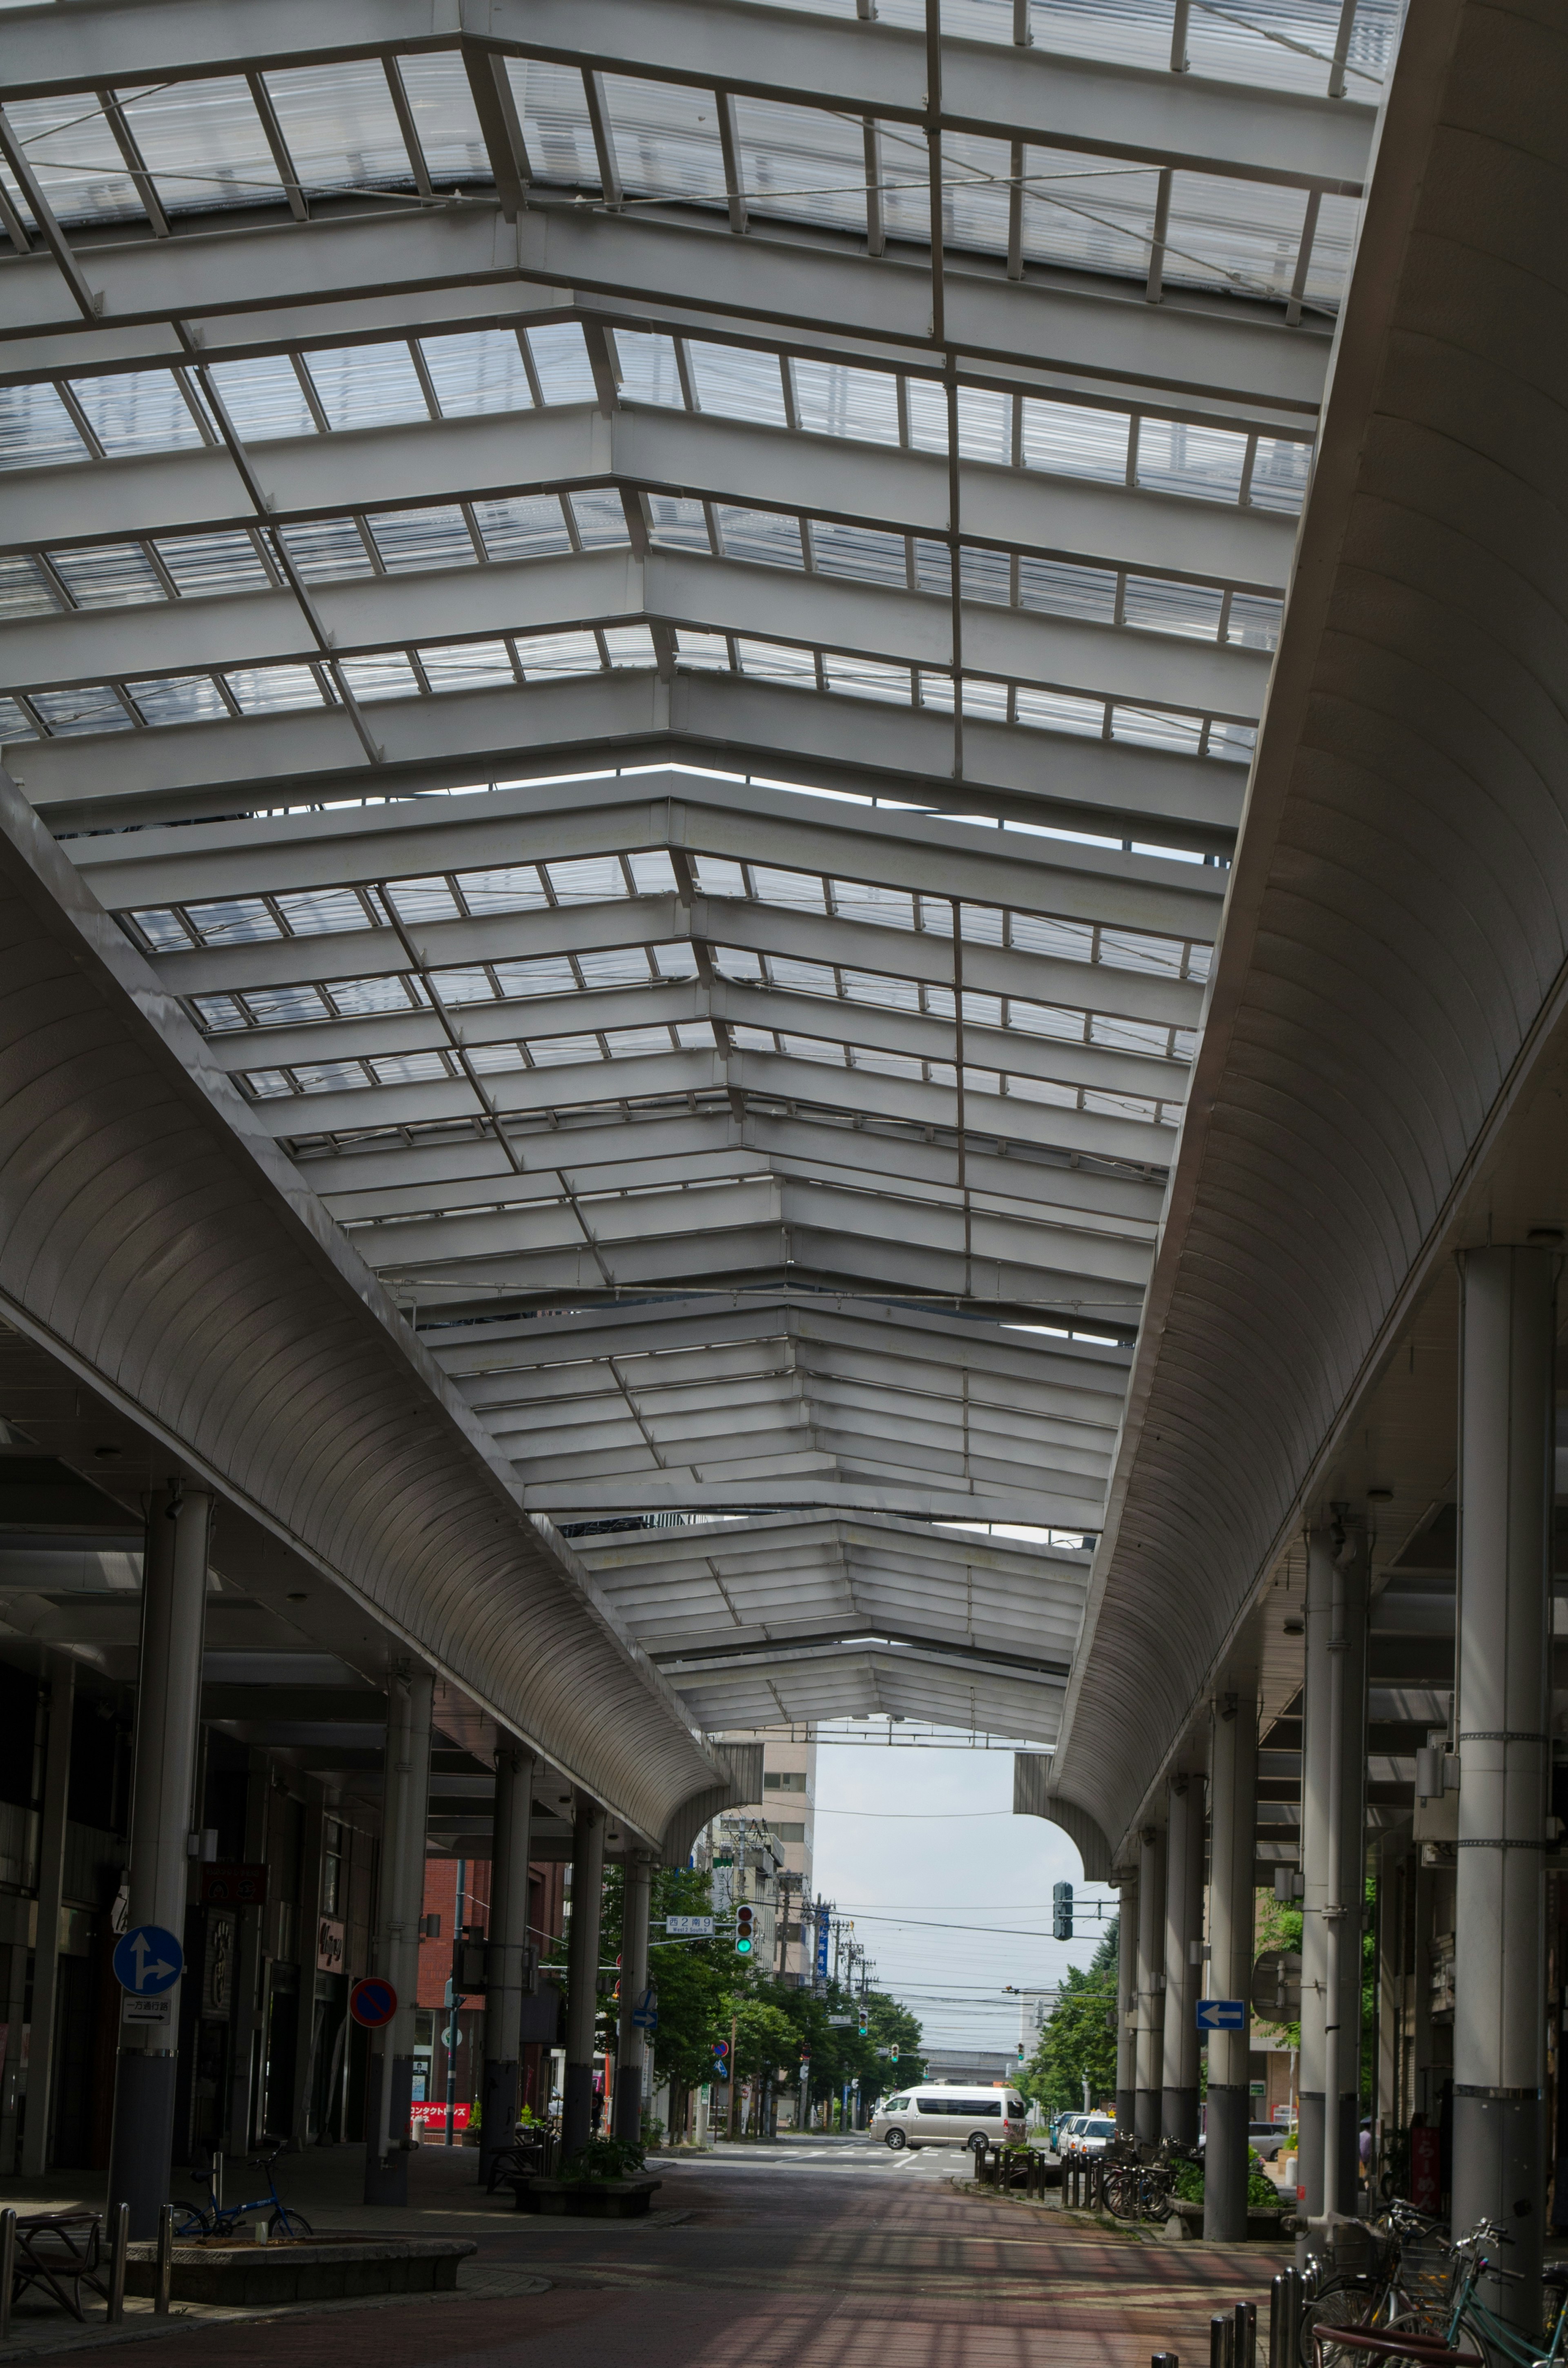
(745, 1917)
(865, 2020)
(1061, 1912)
(893, 2054)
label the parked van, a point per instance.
(976, 2118)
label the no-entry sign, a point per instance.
(372, 2001)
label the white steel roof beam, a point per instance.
(660, 450)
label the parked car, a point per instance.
(1266, 2138)
(931, 2115)
(1066, 2130)
(1093, 2133)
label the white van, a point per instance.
(976, 2118)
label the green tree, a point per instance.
(1280, 1927)
(1080, 2039)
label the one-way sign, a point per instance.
(1222, 2014)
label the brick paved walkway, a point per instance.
(829, 2255)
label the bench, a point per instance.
(60, 2253)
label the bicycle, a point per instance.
(1466, 2317)
(219, 2219)
(1364, 2299)
(1136, 2187)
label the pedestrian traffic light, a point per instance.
(745, 1917)
(1061, 1912)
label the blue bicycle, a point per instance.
(216, 2218)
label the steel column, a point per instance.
(42, 2068)
(632, 2046)
(1233, 1793)
(508, 1956)
(389, 2091)
(1151, 1963)
(1333, 1763)
(1507, 1479)
(582, 1972)
(168, 1702)
(1184, 1931)
(1127, 2003)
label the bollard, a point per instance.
(1165, 2360)
(7, 2270)
(117, 2243)
(1285, 2329)
(1222, 2340)
(164, 2278)
(1245, 2349)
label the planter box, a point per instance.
(587, 2199)
(334, 2268)
(1186, 2220)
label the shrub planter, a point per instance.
(587, 2199)
(1186, 2220)
(334, 2268)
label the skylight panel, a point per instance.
(233, 921)
(652, 871)
(443, 118)
(472, 983)
(25, 590)
(476, 371)
(468, 665)
(218, 1015)
(269, 691)
(92, 708)
(677, 961)
(776, 661)
(1088, 211)
(544, 974)
(628, 646)
(71, 149)
(1149, 727)
(560, 358)
(636, 1043)
(975, 173)
(801, 977)
(283, 1007)
(494, 1060)
(554, 117)
(682, 524)
(1057, 711)
(14, 724)
(737, 384)
(429, 899)
(1279, 475)
(327, 550)
(358, 998)
(600, 518)
(321, 912)
(648, 369)
(267, 1084)
(1129, 1035)
(547, 657)
(1158, 605)
(557, 1051)
(586, 880)
(206, 564)
(524, 526)
(1174, 457)
(367, 386)
(203, 144)
(615, 966)
(666, 138)
(764, 537)
(1076, 441)
(409, 540)
(881, 1063)
(109, 575)
(409, 1069)
(832, 399)
(863, 552)
(887, 994)
(802, 163)
(1132, 949)
(1042, 933)
(263, 398)
(36, 429)
(137, 411)
(1253, 621)
(716, 876)
(178, 699)
(340, 125)
(1047, 1019)
(163, 928)
(385, 675)
(1058, 589)
(505, 888)
(821, 1049)
(329, 1077)
(862, 900)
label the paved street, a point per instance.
(824, 2253)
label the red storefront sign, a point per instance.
(1425, 2170)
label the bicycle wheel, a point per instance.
(1156, 2198)
(289, 2222)
(1343, 2302)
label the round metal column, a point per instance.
(1507, 1477)
(405, 1800)
(582, 1974)
(506, 1952)
(1184, 1927)
(168, 1708)
(631, 2044)
(1232, 1793)
(1127, 2003)
(1150, 1965)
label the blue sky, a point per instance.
(912, 1839)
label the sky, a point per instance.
(908, 1839)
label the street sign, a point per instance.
(840, 2022)
(1222, 2014)
(372, 2002)
(148, 1961)
(230, 1886)
(645, 2013)
(821, 1945)
(1277, 1986)
(689, 1928)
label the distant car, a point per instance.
(1093, 2134)
(1266, 2138)
(948, 2115)
(1067, 2130)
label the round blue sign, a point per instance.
(372, 2002)
(148, 1961)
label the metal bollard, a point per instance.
(1222, 2340)
(7, 2270)
(1285, 2320)
(164, 2278)
(117, 2243)
(1165, 2360)
(1245, 2351)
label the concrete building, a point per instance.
(693, 887)
(787, 1807)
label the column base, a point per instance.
(1225, 2166)
(1146, 2115)
(576, 2109)
(1178, 2115)
(626, 2121)
(386, 2182)
(142, 2144)
(1499, 2174)
(499, 2099)
(1126, 2109)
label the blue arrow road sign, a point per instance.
(1222, 2014)
(147, 1961)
